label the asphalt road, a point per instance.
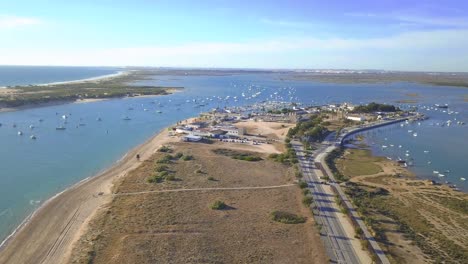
(337, 243)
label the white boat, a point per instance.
(20, 133)
(441, 175)
(435, 172)
(60, 128)
(415, 134)
(31, 127)
(384, 146)
(463, 179)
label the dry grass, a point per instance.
(416, 222)
(180, 227)
(358, 162)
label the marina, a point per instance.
(97, 134)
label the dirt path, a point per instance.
(207, 189)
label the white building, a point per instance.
(356, 118)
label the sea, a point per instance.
(96, 135)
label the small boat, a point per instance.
(60, 128)
(441, 175)
(20, 133)
(64, 117)
(40, 120)
(415, 134)
(159, 112)
(31, 127)
(435, 172)
(98, 119)
(384, 146)
(82, 124)
(127, 118)
(33, 137)
(462, 179)
(426, 151)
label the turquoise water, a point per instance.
(31, 171)
(25, 75)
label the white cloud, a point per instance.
(9, 22)
(419, 50)
(411, 19)
(287, 23)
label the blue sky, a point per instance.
(421, 35)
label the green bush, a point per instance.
(308, 200)
(187, 157)
(170, 177)
(211, 178)
(287, 218)
(305, 191)
(161, 168)
(302, 184)
(218, 205)
(178, 155)
(165, 149)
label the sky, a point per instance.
(416, 35)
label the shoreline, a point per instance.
(85, 193)
(90, 79)
(81, 101)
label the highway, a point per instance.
(337, 242)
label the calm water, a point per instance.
(31, 171)
(25, 75)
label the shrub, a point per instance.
(170, 178)
(287, 218)
(218, 205)
(302, 184)
(161, 168)
(187, 157)
(308, 200)
(178, 155)
(305, 191)
(211, 178)
(165, 149)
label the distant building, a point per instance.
(356, 118)
(235, 131)
(196, 125)
(192, 138)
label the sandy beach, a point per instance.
(49, 234)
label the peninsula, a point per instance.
(114, 86)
